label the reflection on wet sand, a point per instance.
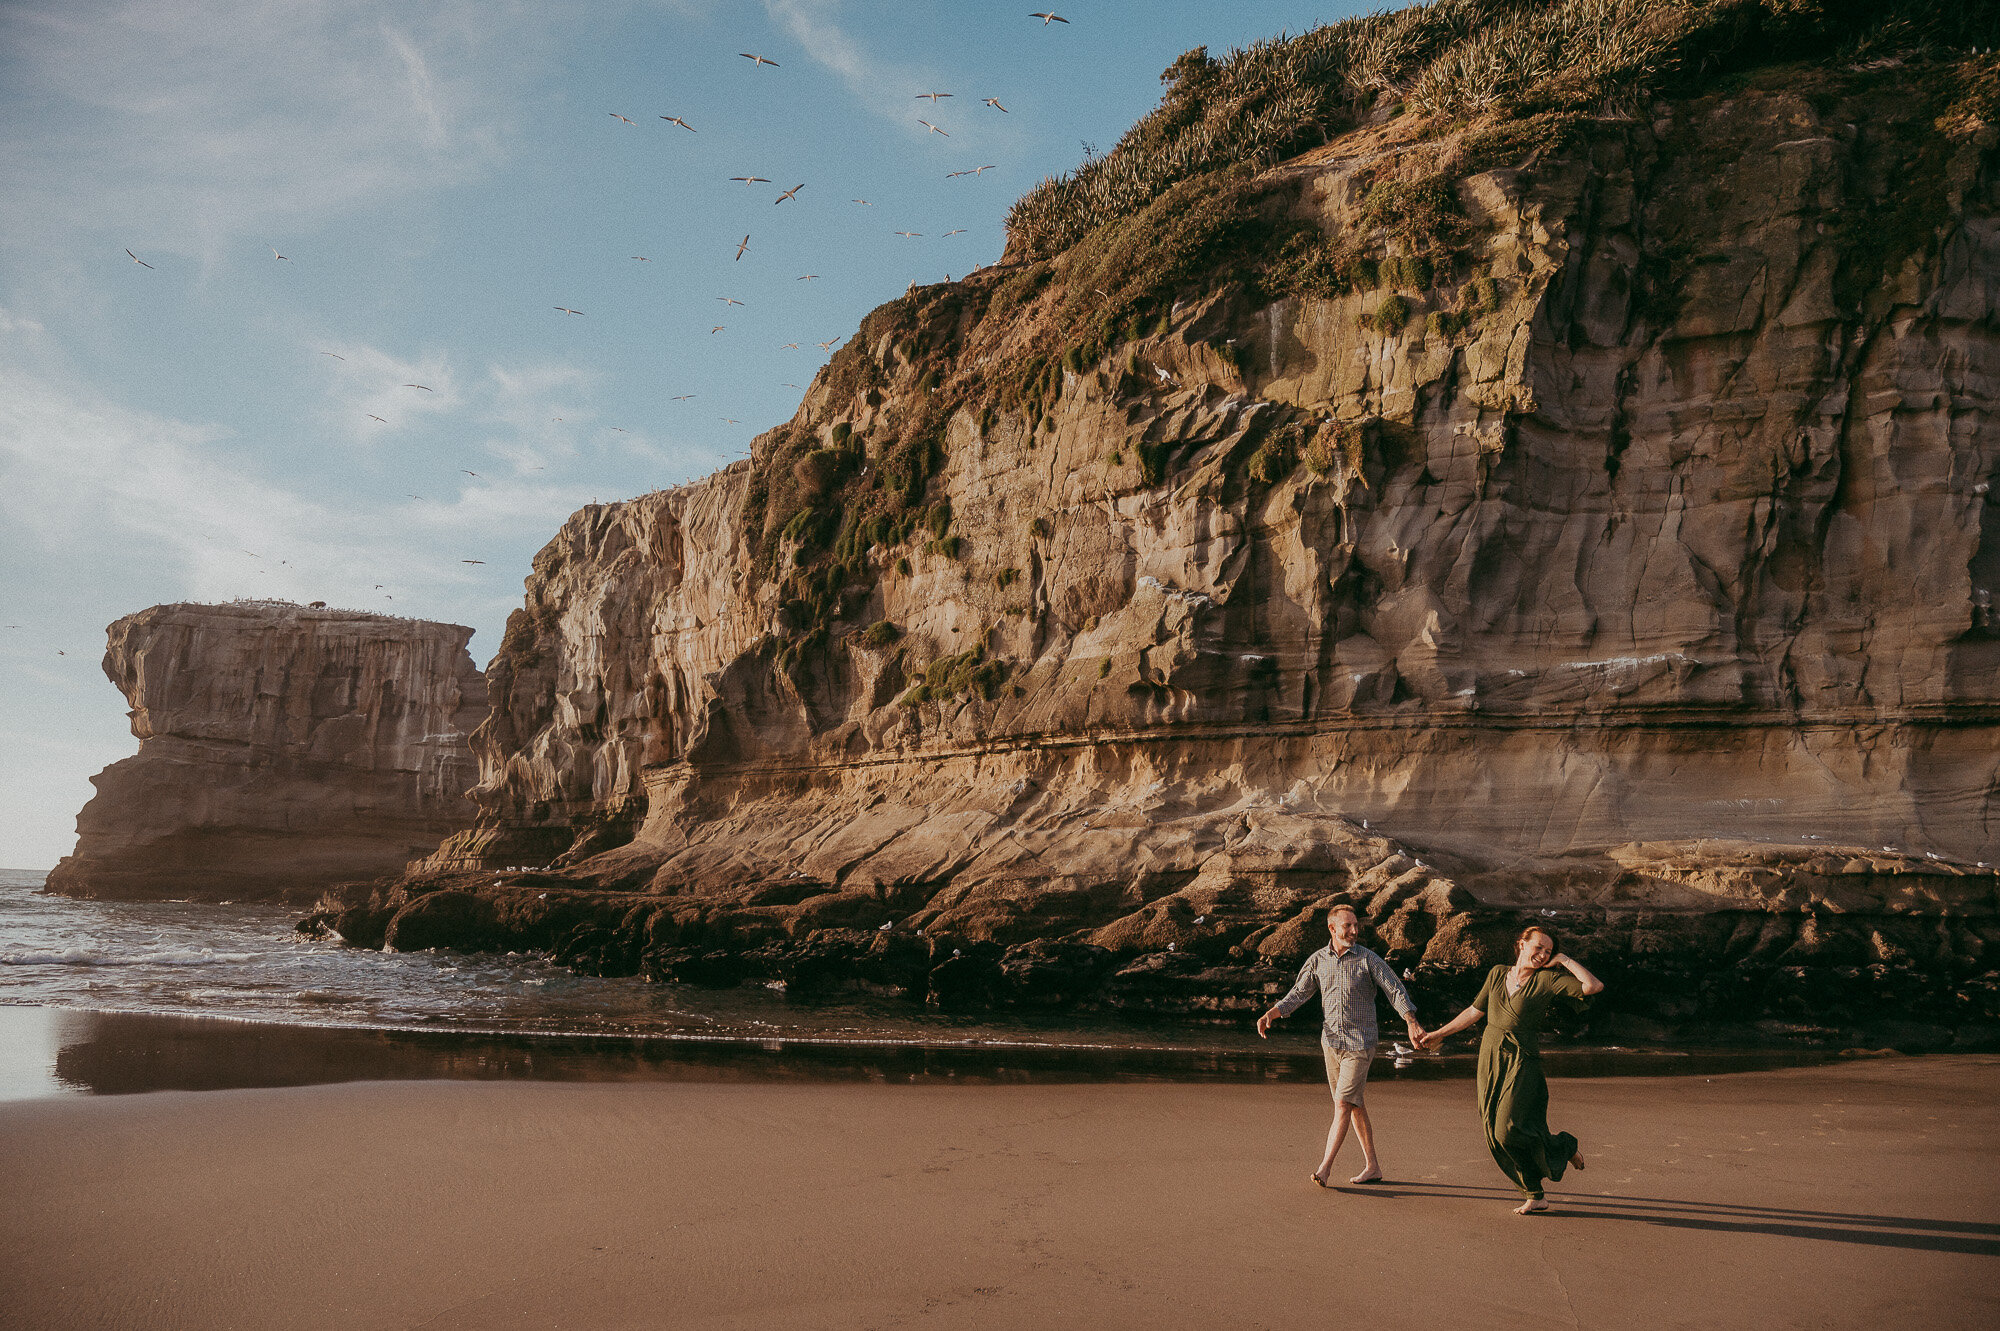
(112, 1053)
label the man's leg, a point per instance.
(1335, 1136)
(1371, 1168)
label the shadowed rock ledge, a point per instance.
(281, 749)
(1605, 542)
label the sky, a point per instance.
(234, 232)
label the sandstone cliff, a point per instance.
(281, 749)
(1581, 515)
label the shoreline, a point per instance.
(55, 1050)
(1840, 1195)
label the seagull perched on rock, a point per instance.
(676, 120)
(758, 58)
(929, 126)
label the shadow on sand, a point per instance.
(1879, 1231)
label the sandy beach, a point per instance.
(1849, 1195)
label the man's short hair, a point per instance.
(1343, 907)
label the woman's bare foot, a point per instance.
(1532, 1205)
(1372, 1174)
(1576, 1161)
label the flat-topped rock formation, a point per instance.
(1581, 516)
(281, 749)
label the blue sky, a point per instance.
(440, 177)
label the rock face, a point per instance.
(281, 749)
(1629, 570)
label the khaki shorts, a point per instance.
(1347, 1072)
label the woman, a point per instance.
(1513, 1094)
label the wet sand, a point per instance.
(1855, 1194)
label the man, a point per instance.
(1347, 978)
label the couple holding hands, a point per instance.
(1513, 1094)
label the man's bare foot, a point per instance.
(1576, 1161)
(1532, 1205)
(1319, 1177)
(1370, 1175)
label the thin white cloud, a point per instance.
(885, 87)
(185, 126)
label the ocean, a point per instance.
(102, 997)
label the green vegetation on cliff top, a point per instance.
(1455, 60)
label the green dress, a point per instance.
(1513, 1093)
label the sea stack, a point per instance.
(281, 749)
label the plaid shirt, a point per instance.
(1347, 983)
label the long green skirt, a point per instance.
(1514, 1101)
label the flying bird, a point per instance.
(790, 193)
(827, 346)
(753, 180)
(627, 119)
(954, 175)
(860, 201)
(676, 120)
(426, 387)
(742, 245)
(809, 277)
(788, 385)
(469, 473)
(932, 95)
(373, 417)
(909, 233)
(276, 255)
(758, 58)
(336, 355)
(955, 231)
(642, 258)
(567, 310)
(727, 421)
(681, 398)
(789, 346)
(929, 126)
(718, 328)
(136, 259)
(727, 301)
(471, 561)
(979, 170)
(1049, 18)
(994, 102)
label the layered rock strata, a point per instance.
(1629, 568)
(281, 749)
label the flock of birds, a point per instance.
(742, 247)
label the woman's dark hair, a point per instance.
(1555, 944)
